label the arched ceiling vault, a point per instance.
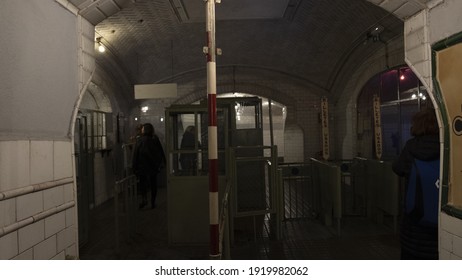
(310, 40)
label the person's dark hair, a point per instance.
(148, 129)
(425, 123)
(190, 129)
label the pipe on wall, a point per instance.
(34, 188)
(40, 216)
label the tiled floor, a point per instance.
(302, 239)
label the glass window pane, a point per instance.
(245, 116)
(408, 84)
(390, 131)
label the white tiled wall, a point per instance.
(29, 205)
(41, 161)
(8, 246)
(62, 163)
(450, 238)
(7, 212)
(417, 47)
(53, 197)
(46, 249)
(24, 164)
(14, 164)
(293, 139)
(30, 235)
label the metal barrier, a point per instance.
(126, 208)
(224, 242)
(327, 179)
(299, 195)
(380, 185)
(255, 190)
(128, 157)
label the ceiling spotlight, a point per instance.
(376, 30)
(101, 47)
(144, 109)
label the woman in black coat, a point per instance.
(419, 238)
(148, 158)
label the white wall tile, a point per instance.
(55, 224)
(446, 240)
(71, 252)
(7, 212)
(455, 257)
(29, 205)
(457, 246)
(62, 160)
(41, 165)
(45, 250)
(70, 216)
(26, 255)
(415, 22)
(293, 138)
(14, 165)
(69, 193)
(451, 224)
(445, 255)
(65, 238)
(417, 55)
(416, 39)
(60, 256)
(53, 197)
(31, 235)
(9, 246)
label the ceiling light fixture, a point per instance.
(101, 47)
(374, 34)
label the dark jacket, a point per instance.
(417, 241)
(426, 147)
(148, 156)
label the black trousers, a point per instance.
(148, 182)
(418, 242)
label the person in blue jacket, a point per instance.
(418, 162)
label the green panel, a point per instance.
(387, 186)
(328, 179)
(188, 209)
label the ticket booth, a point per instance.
(239, 124)
(187, 171)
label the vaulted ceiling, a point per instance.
(152, 41)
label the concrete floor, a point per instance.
(302, 239)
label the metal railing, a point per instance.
(255, 189)
(224, 242)
(327, 179)
(125, 205)
(299, 195)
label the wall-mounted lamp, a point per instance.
(420, 95)
(101, 47)
(144, 109)
(374, 34)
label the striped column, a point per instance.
(212, 129)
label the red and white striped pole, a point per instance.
(210, 51)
